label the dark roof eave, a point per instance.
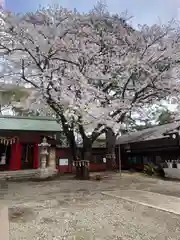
(144, 134)
(29, 117)
(24, 130)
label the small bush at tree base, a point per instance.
(156, 170)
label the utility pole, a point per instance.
(119, 156)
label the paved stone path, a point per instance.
(4, 223)
(149, 199)
(70, 209)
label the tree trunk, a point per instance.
(87, 149)
(66, 128)
(82, 169)
(85, 170)
(87, 154)
(73, 146)
(110, 146)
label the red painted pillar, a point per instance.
(36, 156)
(12, 158)
(15, 159)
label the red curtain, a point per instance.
(15, 159)
(36, 156)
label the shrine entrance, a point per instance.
(27, 155)
(5, 151)
(5, 154)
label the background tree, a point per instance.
(165, 117)
(156, 115)
(10, 96)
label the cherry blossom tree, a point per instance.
(92, 69)
(11, 95)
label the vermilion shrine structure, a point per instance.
(20, 139)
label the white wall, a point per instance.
(172, 173)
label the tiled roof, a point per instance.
(29, 124)
(148, 134)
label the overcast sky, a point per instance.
(143, 11)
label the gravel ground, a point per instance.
(76, 210)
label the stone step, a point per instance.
(28, 174)
(20, 174)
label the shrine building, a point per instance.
(19, 145)
(157, 144)
(19, 139)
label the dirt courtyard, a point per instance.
(76, 210)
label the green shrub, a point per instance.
(149, 169)
(156, 170)
(159, 171)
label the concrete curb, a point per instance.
(141, 203)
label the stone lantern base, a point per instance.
(43, 173)
(52, 171)
(47, 173)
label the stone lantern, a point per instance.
(44, 146)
